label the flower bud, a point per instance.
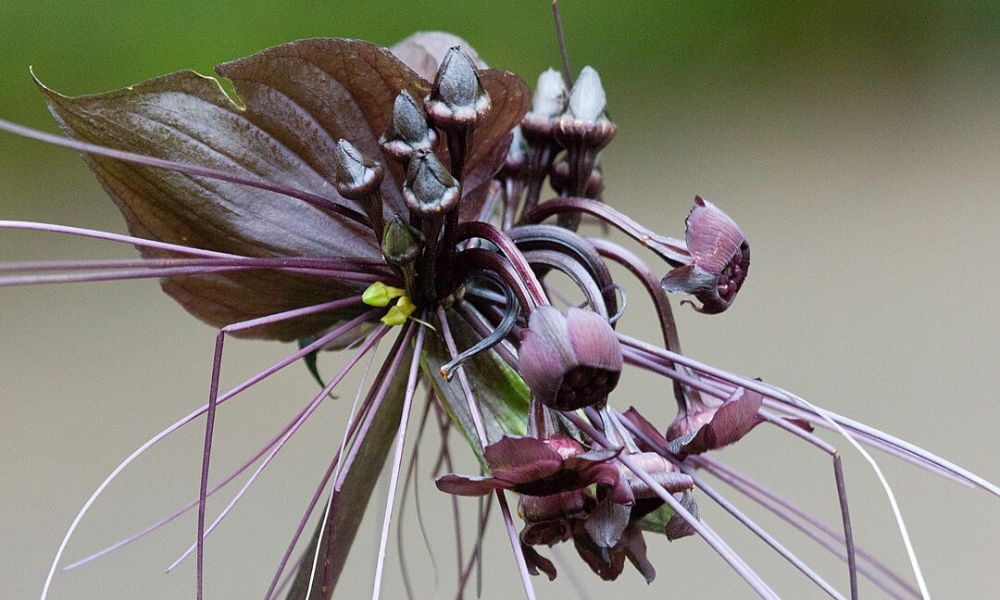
(547, 104)
(571, 361)
(587, 99)
(457, 98)
(563, 183)
(720, 258)
(408, 131)
(357, 176)
(585, 122)
(429, 187)
(550, 95)
(401, 244)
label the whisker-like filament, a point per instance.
(333, 334)
(320, 202)
(733, 510)
(286, 434)
(512, 534)
(809, 526)
(397, 461)
(354, 419)
(712, 538)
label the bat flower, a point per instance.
(536, 468)
(346, 191)
(720, 258)
(570, 361)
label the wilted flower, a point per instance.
(720, 258)
(570, 361)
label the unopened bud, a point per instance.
(587, 99)
(429, 187)
(357, 175)
(457, 98)
(550, 95)
(401, 244)
(408, 131)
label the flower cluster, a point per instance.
(360, 191)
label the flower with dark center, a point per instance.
(720, 259)
(570, 361)
(322, 209)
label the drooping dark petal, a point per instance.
(188, 118)
(536, 562)
(677, 527)
(520, 460)
(661, 470)
(730, 422)
(635, 550)
(606, 523)
(423, 51)
(311, 93)
(462, 485)
(539, 509)
(605, 562)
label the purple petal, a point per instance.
(461, 485)
(677, 527)
(688, 279)
(536, 562)
(522, 460)
(594, 342)
(607, 523)
(733, 420)
(712, 237)
(635, 551)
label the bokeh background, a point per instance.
(855, 142)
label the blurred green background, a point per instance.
(855, 142)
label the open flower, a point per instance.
(720, 257)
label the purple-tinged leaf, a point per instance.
(188, 118)
(310, 93)
(423, 51)
(500, 392)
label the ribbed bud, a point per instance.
(720, 259)
(548, 102)
(401, 243)
(357, 176)
(457, 98)
(408, 131)
(429, 188)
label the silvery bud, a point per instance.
(408, 131)
(429, 187)
(457, 98)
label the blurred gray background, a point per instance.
(855, 143)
